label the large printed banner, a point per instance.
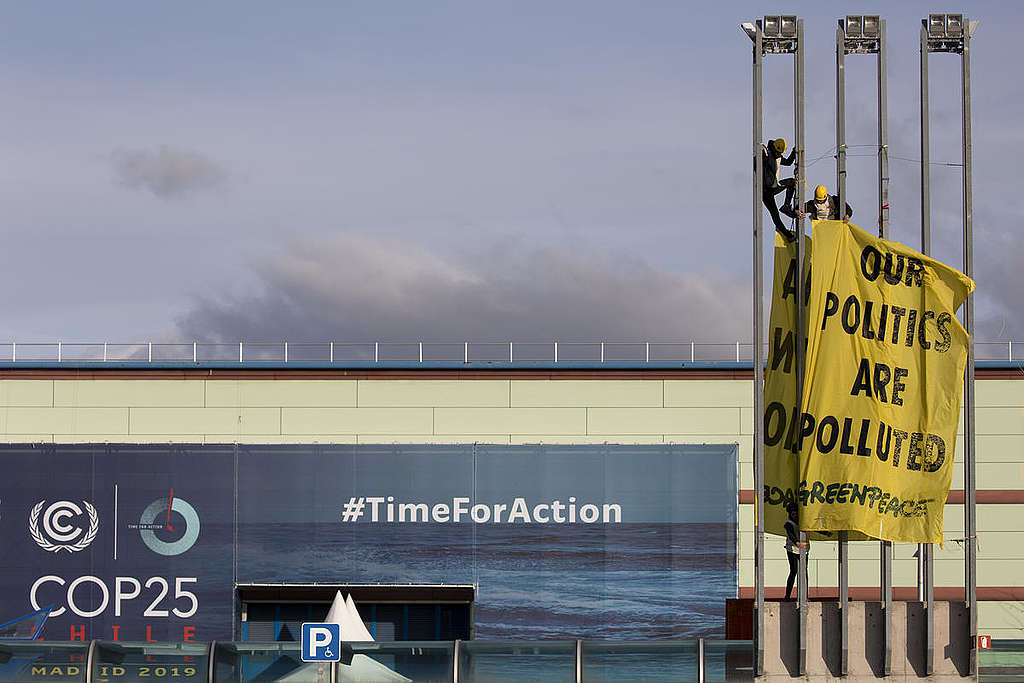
(885, 369)
(146, 543)
(781, 454)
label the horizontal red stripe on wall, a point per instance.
(956, 496)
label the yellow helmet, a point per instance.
(779, 145)
(820, 192)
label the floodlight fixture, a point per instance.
(854, 26)
(954, 25)
(936, 25)
(788, 26)
(749, 29)
(871, 24)
(772, 26)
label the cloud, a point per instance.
(167, 172)
(357, 288)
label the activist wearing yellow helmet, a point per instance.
(779, 145)
(820, 193)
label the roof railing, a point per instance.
(409, 352)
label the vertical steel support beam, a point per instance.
(801, 303)
(970, 521)
(925, 556)
(844, 563)
(883, 232)
(885, 571)
(758, 279)
(883, 136)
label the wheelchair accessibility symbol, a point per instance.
(321, 642)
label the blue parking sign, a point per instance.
(321, 642)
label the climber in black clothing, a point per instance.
(792, 547)
(824, 207)
(771, 163)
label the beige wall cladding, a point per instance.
(26, 420)
(26, 392)
(605, 393)
(997, 447)
(275, 393)
(998, 392)
(999, 420)
(501, 439)
(993, 616)
(708, 393)
(205, 420)
(128, 393)
(628, 439)
(278, 439)
(359, 421)
(682, 421)
(433, 393)
(997, 475)
(26, 438)
(132, 438)
(564, 421)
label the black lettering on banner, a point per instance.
(882, 502)
(870, 263)
(772, 437)
(893, 277)
(925, 344)
(789, 283)
(881, 322)
(873, 493)
(882, 377)
(934, 453)
(865, 330)
(898, 386)
(911, 324)
(816, 490)
(791, 432)
(826, 446)
(806, 428)
(858, 494)
(883, 451)
(892, 505)
(783, 350)
(846, 446)
(901, 436)
(897, 315)
(851, 303)
(863, 380)
(914, 452)
(831, 307)
(844, 490)
(862, 440)
(942, 322)
(830, 493)
(915, 269)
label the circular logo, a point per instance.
(161, 506)
(59, 534)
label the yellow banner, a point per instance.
(781, 464)
(885, 368)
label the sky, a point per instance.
(449, 171)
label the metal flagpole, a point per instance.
(844, 564)
(925, 556)
(970, 520)
(801, 303)
(758, 359)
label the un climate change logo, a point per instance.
(148, 525)
(59, 534)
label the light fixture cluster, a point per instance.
(862, 33)
(946, 32)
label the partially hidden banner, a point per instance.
(884, 377)
(781, 463)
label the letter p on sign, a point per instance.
(321, 642)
